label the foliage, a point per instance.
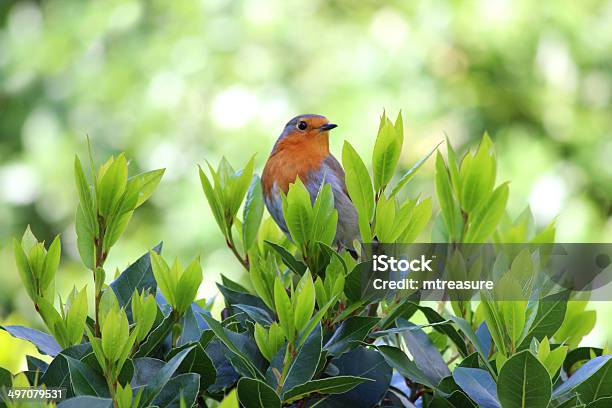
(305, 332)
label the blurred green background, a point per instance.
(177, 83)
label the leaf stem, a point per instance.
(229, 240)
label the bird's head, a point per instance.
(308, 128)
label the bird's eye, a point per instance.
(302, 125)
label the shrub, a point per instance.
(305, 331)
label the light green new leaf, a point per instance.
(213, 201)
(297, 209)
(76, 316)
(188, 285)
(421, 214)
(477, 174)
(358, 182)
(412, 171)
(148, 184)
(284, 309)
(23, 267)
(112, 184)
(52, 260)
(450, 210)
(304, 305)
(484, 219)
(114, 334)
(386, 154)
(163, 277)
(253, 212)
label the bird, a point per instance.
(302, 150)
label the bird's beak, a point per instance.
(327, 126)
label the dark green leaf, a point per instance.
(197, 361)
(304, 364)
(161, 378)
(548, 318)
(397, 359)
(85, 380)
(584, 373)
(524, 382)
(288, 259)
(183, 386)
(364, 363)
(86, 401)
(136, 277)
(425, 354)
(254, 393)
(350, 332)
(324, 386)
(478, 385)
(45, 343)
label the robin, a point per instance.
(302, 150)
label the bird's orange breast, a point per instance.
(294, 156)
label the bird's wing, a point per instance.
(335, 167)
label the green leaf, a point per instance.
(115, 331)
(188, 285)
(297, 210)
(487, 215)
(324, 216)
(358, 182)
(112, 184)
(284, 310)
(397, 359)
(52, 260)
(43, 342)
(232, 342)
(213, 199)
(412, 171)
(304, 364)
(477, 174)
(148, 183)
(155, 385)
(385, 156)
(444, 191)
(144, 313)
(254, 393)
(86, 381)
(263, 283)
(350, 332)
(137, 277)
(230, 400)
(86, 401)
(253, 212)
(601, 403)
(197, 361)
(524, 382)
(478, 385)
(465, 327)
(598, 386)
(85, 238)
(288, 259)
(304, 305)
(325, 386)
(76, 316)
(425, 354)
(23, 267)
(166, 281)
(548, 318)
(588, 372)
